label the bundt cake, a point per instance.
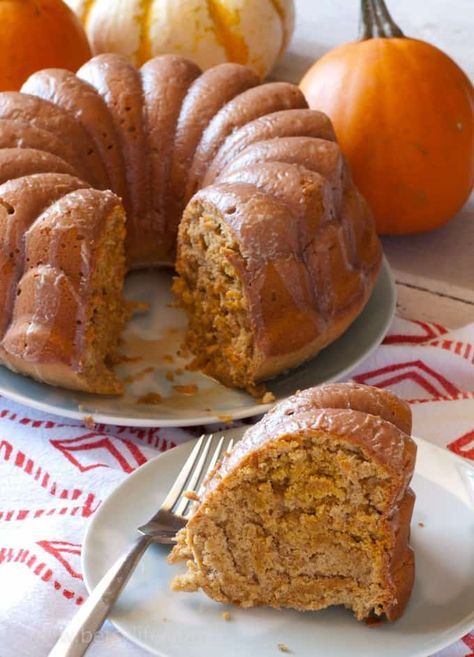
(311, 509)
(277, 252)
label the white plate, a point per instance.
(169, 624)
(154, 338)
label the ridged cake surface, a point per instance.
(247, 159)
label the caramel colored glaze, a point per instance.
(20, 162)
(206, 96)
(45, 337)
(282, 289)
(285, 123)
(306, 250)
(403, 578)
(319, 155)
(367, 399)
(47, 116)
(245, 107)
(377, 438)
(305, 192)
(20, 134)
(362, 243)
(165, 81)
(82, 101)
(119, 83)
(22, 200)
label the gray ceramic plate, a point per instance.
(169, 624)
(153, 338)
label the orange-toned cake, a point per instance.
(274, 227)
(311, 509)
(61, 281)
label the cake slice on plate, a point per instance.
(312, 508)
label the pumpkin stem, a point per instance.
(377, 22)
(367, 20)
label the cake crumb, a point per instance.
(268, 398)
(150, 398)
(190, 389)
(136, 307)
(191, 495)
(179, 371)
(225, 418)
(421, 524)
(168, 358)
(138, 376)
(89, 421)
(169, 375)
(226, 615)
(282, 647)
(257, 390)
(117, 358)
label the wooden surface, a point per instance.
(434, 271)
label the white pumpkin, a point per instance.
(251, 32)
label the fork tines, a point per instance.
(202, 460)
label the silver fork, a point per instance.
(161, 528)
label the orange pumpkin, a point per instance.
(37, 34)
(403, 112)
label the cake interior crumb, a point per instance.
(190, 389)
(282, 647)
(191, 495)
(89, 421)
(150, 398)
(138, 376)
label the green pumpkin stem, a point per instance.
(376, 21)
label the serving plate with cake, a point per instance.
(237, 185)
(320, 506)
(156, 372)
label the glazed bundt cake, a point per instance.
(311, 509)
(277, 252)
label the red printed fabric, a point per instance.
(55, 473)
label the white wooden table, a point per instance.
(434, 271)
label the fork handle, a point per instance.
(80, 632)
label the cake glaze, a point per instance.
(326, 508)
(167, 137)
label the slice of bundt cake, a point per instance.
(312, 508)
(272, 267)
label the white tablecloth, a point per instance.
(55, 473)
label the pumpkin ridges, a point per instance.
(144, 52)
(250, 32)
(404, 102)
(40, 34)
(435, 161)
(86, 10)
(233, 42)
(285, 37)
